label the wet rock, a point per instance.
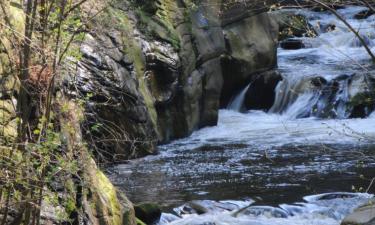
(346, 96)
(329, 28)
(336, 195)
(248, 56)
(116, 108)
(292, 44)
(166, 79)
(207, 206)
(364, 215)
(293, 25)
(364, 14)
(362, 96)
(264, 211)
(261, 93)
(362, 104)
(318, 81)
(148, 212)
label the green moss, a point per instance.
(157, 27)
(7, 111)
(168, 15)
(147, 212)
(17, 15)
(108, 193)
(364, 98)
(8, 121)
(121, 22)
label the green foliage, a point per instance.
(157, 26)
(38, 158)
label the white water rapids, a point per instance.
(272, 157)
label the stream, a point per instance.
(303, 162)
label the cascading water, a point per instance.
(276, 158)
(237, 103)
(327, 78)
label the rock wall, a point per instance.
(9, 85)
(150, 72)
(159, 70)
(92, 199)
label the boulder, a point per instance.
(362, 96)
(318, 81)
(251, 49)
(149, 213)
(364, 215)
(89, 196)
(169, 76)
(117, 112)
(345, 96)
(261, 93)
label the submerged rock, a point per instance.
(335, 195)
(206, 206)
(267, 211)
(364, 14)
(292, 44)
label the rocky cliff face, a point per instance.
(150, 72)
(157, 71)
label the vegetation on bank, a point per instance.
(47, 174)
(45, 165)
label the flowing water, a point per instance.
(307, 144)
(237, 103)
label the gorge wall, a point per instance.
(155, 71)
(150, 72)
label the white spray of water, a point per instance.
(237, 103)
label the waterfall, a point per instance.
(318, 97)
(322, 80)
(237, 103)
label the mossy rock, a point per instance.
(8, 120)
(7, 111)
(159, 24)
(294, 26)
(105, 205)
(148, 212)
(17, 15)
(362, 104)
(364, 98)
